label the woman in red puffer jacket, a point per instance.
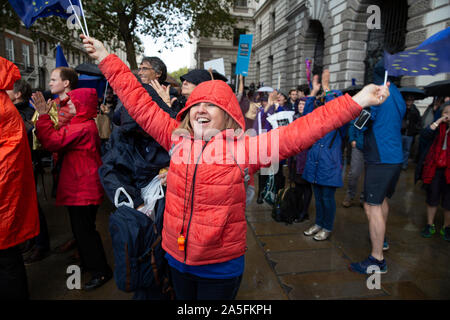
(79, 187)
(204, 229)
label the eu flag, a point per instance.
(30, 10)
(429, 58)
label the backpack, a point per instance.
(138, 255)
(287, 205)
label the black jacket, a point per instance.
(411, 124)
(132, 158)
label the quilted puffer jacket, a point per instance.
(19, 219)
(205, 199)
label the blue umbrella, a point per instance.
(96, 82)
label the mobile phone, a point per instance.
(361, 121)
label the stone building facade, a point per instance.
(206, 49)
(334, 34)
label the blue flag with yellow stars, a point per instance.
(431, 57)
(30, 10)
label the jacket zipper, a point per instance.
(192, 203)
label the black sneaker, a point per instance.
(97, 281)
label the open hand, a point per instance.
(94, 48)
(372, 95)
(315, 86)
(163, 91)
(38, 102)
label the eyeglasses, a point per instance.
(144, 69)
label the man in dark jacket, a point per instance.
(410, 128)
(132, 159)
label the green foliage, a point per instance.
(178, 73)
(122, 19)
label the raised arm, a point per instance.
(156, 122)
(305, 131)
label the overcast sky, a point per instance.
(174, 59)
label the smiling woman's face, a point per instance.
(206, 119)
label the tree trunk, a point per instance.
(127, 37)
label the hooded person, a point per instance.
(204, 228)
(79, 187)
(19, 219)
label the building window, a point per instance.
(26, 55)
(240, 3)
(260, 32)
(272, 21)
(9, 49)
(43, 47)
(236, 34)
(270, 71)
(258, 73)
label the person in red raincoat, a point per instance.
(19, 220)
(79, 187)
(204, 228)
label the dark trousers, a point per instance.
(190, 287)
(13, 277)
(92, 254)
(304, 192)
(42, 240)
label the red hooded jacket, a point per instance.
(431, 160)
(205, 198)
(19, 220)
(78, 143)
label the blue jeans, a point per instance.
(190, 287)
(325, 206)
(406, 143)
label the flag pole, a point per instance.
(76, 16)
(104, 95)
(84, 19)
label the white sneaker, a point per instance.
(322, 235)
(312, 230)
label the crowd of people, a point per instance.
(146, 129)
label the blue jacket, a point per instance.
(382, 138)
(324, 160)
(354, 134)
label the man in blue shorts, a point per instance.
(383, 155)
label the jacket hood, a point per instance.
(218, 93)
(85, 101)
(9, 74)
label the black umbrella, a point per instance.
(89, 69)
(438, 88)
(417, 93)
(352, 90)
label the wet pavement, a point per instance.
(283, 264)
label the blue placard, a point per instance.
(244, 53)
